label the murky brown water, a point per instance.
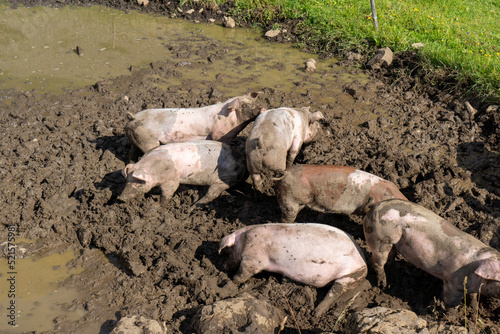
(39, 51)
(34, 286)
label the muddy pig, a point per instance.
(332, 189)
(222, 122)
(276, 138)
(433, 244)
(313, 254)
(203, 163)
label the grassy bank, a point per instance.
(463, 37)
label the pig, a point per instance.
(222, 122)
(331, 189)
(433, 244)
(203, 163)
(276, 138)
(313, 254)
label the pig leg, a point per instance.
(213, 192)
(339, 287)
(293, 151)
(247, 269)
(381, 236)
(289, 209)
(452, 294)
(379, 259)
(168, 189)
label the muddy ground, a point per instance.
(61, 157)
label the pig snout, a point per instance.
(492, 289)
(130, 191)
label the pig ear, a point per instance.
(254, 95)
(316, 116)
(489, 269)
(250, 97)
(127, 170)
(233, 105)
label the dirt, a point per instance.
(62, 155)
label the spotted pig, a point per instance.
(276, 138)
(331, 189)
(203, 163)
(313, 254)
(222, 122)
(433, 244)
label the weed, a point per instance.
(290, 307)
(344, 311)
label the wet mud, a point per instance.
(61, 157)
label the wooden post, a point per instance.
(374, 14)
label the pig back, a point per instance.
(331, 188)
(313, 254)
(270, 139)
(206, 162)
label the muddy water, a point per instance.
(39, 51)
(34, 286)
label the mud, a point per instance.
(61, 157)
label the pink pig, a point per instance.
(222, 122)
(276, 138)
(203, 163)
(313, 254)
(433, 244)
(332, 189)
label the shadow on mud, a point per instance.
(118, 145)
(483, 164)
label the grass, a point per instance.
(459, 36)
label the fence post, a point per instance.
(374, 14)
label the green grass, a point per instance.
(461, 37)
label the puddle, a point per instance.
(31, 291)
(39, 52)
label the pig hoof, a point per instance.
(318, 312)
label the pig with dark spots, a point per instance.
(331, 189)
(276, 138)
(222, 122)
(313, 254)
(433, 244)
(202, 163)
